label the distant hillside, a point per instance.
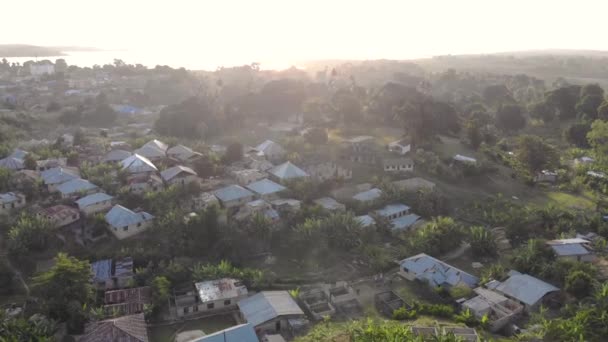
(19, 50)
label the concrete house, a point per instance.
(523, 288)
(401, 147)
(132, 328)
(116, 156)
(124, 223)
(47, 164)
(266, 189)
(60, 215)
(204, 200)
(575, 249)
(271, 150)
(10, 201)
(434, 272)
(273, 312)
(138, 164)
(182, 153)
(127, 301)
(76, 187)
(499, 309)
(360, 149)
(393, 211)
(154, 150)
(398, 165)
(95, 203)
(286, 172)
(330, 204)
(288, 205)
(238, 333)
(248, 176)
(327, 170)
(233, 196)
(143, 183)
(179, 175)
(368, 196)
(546, 176)
(220, 295)
(347, 192)
(56, 176)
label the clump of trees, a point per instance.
(439, 236)
(29, 234)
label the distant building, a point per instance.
(137, 164)
(132, 328)
(238, 333)
(366, 220)
(116, 156)
(248, 176)
(368, 196)
(182, 153)
(76, 188)
(330, 204)
(124, 223)
(361, 149)
(460, 159)
(12, 163)
(289, 205)
(54, 177)
(327, 170)
(499, 309)
(287, 172)
(219, 295)
(142, 183)
(204, 200)
(400, 147)
(266, 189)
(154, 150)
(434, 272)
(127, 301)
(109, 275)
(273, 312)
(271, 150)
(523, 288)
(47, 164)
(234, 196)
(42, 68)
(60, 215)
(575, 249)
(179, 175)
(95, 203)
(398, 165)
(10, 201)
(546, 176)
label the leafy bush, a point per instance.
(403, 313)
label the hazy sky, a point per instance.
(309, 29)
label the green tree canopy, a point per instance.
(534, 154)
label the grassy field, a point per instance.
(167, 333)
(566, 200)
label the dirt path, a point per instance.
(457, 253)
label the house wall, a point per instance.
(582, 258)
(237, 202)
(408, 167)
(5, 208)
(218, 306)
(68, 220)
(139, 188)
(96, 208)
(270, 327)
(183, 180)
(400, 149)
(79, 193)
(131, 230)
(406, 275)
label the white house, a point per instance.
(272, 312)
(180, 175)
(220, 295)
(95, 203)
(124, 223)
(401, 147)
(234, 196)
(10, 201)
(398, 165)
(60, 215)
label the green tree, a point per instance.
(482, 242)
(579, 283)
(564, 100)
(316, 136)
(161, 289)
(542, 111)
(587, 106)
(439, 236)
(234, 152)
(576, 134)
(598, 137)
(30, 233)
(417, 119)
(29, 162)
(473, 133)
(602, 111)
(510, 118)
(65, 289)
(534, 154)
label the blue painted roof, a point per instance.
(58, 175)
(437, 272)
(76, 185)
(268, 305)
(525, 288)
(232, 192)
(570, 249)
(120, 216)
(287, 170)
(102, 270)
(265, 187)
(368, 195)
(405, 222)
(93, 199)
(8, 197)
(239, 333)
(391, 209)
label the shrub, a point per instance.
(403, 313)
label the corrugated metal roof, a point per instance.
(172, 172)
(571, 249)
(219, 289)
(8, 197)
(365, 220)
(117, 155)
(19, 154)
(93, 199)
(267, 305)
(239, 333)
(270, 147)
(102, 270)
(265, 187)
(405, 222)
(464, 159)
(138, 164)
(120, 216)
(329, 203)
(58, 175)
(150, 151)
(392, 209)
(75, 186)
(232, 192)
(288, 170)
(368, 195)
(437, 272)
(525, 288)
(11, 163)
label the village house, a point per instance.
(327, 170)
(366, 221)
(19, 154)
(42, 68)
(116, 156)
(94, 203)
(583, 161)
(347, 192)
(260, 165)
(10, 201)
(238, 333)
(414, 184)
(179, 175)
(409, 221)
(499, 309)
(124, 223)
(361, 149)
(204, 200)
(401, 147)
(257, 207)
(266, 189)
(248, 176)
(60, 215)
(317, 303)
(154, 150)
(434, 272)
(393, 211)
(460, 159)
(109, 275)
(286, 172)
(138, 165)
(525, 289)
(343, 297)
(330, 204)
(56, 176)
(288, 205)
(546, 176)
(131, 328)
(12, 163)
(127, 301)
(273, 312)
(270, 150)
(76, 187)
(368, 196)
(219, 296)
(386, 302)
(181, 153)
(143, 183)
(574, 249)
(233, 196)
(47, 164)
(398, 165)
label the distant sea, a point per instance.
(151, 59)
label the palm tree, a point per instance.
(482, 242)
